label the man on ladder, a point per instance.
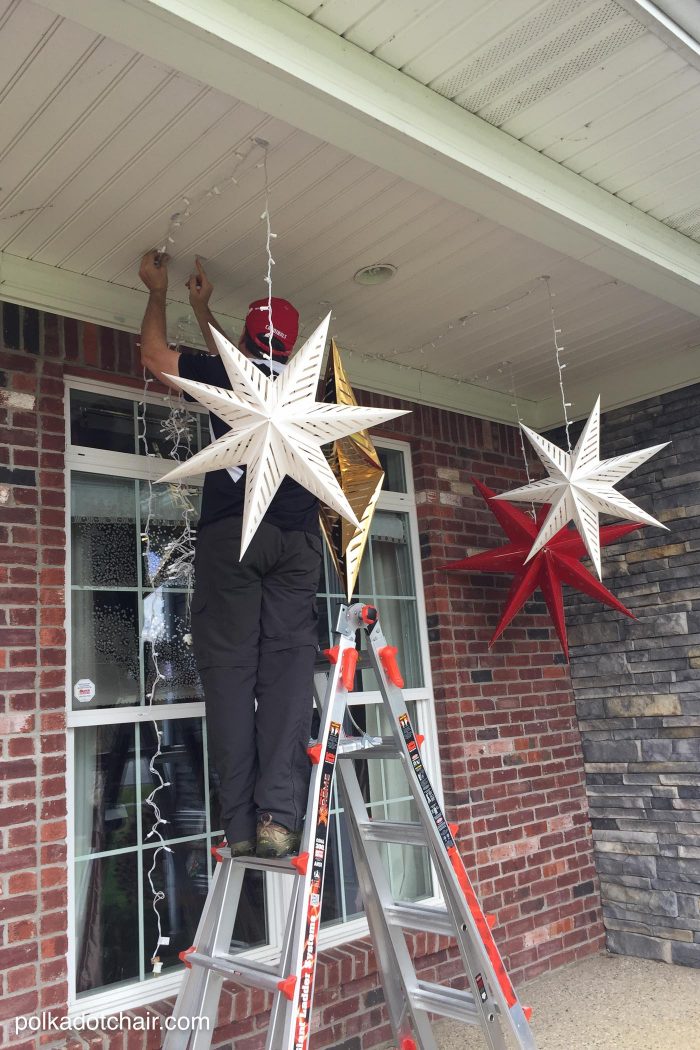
(254, 622)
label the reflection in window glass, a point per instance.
(103, 531)
(105, 789)
(167, 521)
(105, 642)
(107, 921)
(391, 555)
(169, 665)
(392, 461)
(98, 421)
(180, 764)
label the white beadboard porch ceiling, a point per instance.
(100, 144)
(581, 81)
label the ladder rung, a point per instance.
(283, 864)
(252, 975)
(387, 749)
(420, 917)
(404, 833)
(448, 1002)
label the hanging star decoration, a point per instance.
(580, 486)
(554, 564)
(277, 428)
(355, 464)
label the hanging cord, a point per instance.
(516, 406)
(560, 364)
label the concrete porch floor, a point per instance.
(604, 1002)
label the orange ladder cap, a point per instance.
(314, 753)
(332, 654)
(454, 829)
(349, 667)
(491, 920)
(527, 1010)
(408, 1044)
(301, 863)
(182, 956)
(387, 655)
(287, 987)
(369, 615)
(420, 739)
(214, 850)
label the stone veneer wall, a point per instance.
(637, 689)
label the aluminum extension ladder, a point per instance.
(490, 1002)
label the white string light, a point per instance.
(180, 563)
(191, 205)
(560, 365)
(269, 235)
(460, 322)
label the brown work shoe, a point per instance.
(244, 848)
(274, 840)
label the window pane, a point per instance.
(105, 642)
(106, 904)
(103, 531)
(98, 421)
(392, 461)
(105, 788)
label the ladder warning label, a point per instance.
(313, 913)
(422, 777)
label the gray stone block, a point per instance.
(685, 954)
(611, 751)
(640, 898)
(621, 942)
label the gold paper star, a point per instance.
(355, 464)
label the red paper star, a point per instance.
(556, 563)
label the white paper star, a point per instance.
(277, 428)
(580, 487)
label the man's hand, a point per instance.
(200, 288)
(153, 271)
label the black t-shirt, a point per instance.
(292, 508)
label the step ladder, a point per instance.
(490, 1001)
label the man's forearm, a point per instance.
(205, 318)
(154, 335)
(156, 355)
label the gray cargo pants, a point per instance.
(255, 636)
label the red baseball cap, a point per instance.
(285, 326)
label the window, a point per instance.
(129, 597)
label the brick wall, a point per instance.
(509, 744)
(637, 687)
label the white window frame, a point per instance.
(121, 464)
